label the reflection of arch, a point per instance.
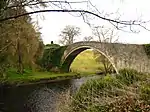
(68, 59)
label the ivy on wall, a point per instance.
(57, 55)
(52, 56)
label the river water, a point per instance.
(37, 98)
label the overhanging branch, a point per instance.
(129, 23)
(119, 24)
(83, 11)
(43, 2)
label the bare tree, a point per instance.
(105, 35)
(88, 38)
(106, 65)
(68, 34)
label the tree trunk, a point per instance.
(20, 64)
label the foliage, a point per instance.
(58, 53)
(46, 59)
(52, 56)
(3, 64)
(19, 40)
(147, 49)
(68, 34)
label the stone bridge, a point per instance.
(120, 55)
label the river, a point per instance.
(37, 98)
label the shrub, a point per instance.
(51, 57)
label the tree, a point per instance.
(88, 38)
(101, 59)
(106, 35)
(68, 34)
(19, 41)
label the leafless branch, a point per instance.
(42, 2)
(66, 6)
(81, 11)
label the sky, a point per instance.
(53, 23)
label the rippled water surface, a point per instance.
(36, 98)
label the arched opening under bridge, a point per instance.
(70, 57)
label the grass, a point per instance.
(85, 63)
(114, 94)
(30, 77)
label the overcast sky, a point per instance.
(53, 23)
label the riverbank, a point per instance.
(84, 65)
(38, 78)
(127, 92)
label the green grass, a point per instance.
(13, 78)
(85, 63)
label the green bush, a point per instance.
(51, 57)
(46, 60)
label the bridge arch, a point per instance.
(68, 59)
(121, 56)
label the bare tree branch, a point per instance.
(81, 11)
(42, 2)
(66, 6)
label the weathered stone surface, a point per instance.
(120, 55)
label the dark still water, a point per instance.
(37, 98)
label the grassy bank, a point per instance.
(34, 78)
(83, 65)
(30, 77)
(127, 92)
(15, 79)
